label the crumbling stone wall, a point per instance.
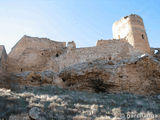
(36, 54)
(113, 50)
(3, 58)
(32, 54)
(132, 28)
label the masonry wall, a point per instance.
(3, 58)
(47, 56)
(35, 54)
(32, 54)
(114, 50)
(36, 43)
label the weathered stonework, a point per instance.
(33, 54)
(114, 50)
(3, 58)
(132, 29)
(56, 58)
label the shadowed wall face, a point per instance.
(3, 58)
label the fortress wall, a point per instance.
(107, 42)
(115, 50)
(36, 43)
(103, 42)
(32, 54)
(3, 58)
(47, 56)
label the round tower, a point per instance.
(132, 29)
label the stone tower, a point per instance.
(132, 29)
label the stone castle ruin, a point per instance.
(110, 61)
(39, 54)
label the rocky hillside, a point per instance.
(140, 75)
(97, 90)
(93, 88)
(54, 103)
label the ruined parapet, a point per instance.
(71, 45)
(34, 42)
(3, 58)
(132, 29)
(106, 42)
(102, 42)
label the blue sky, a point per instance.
(84, 21)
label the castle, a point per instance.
(36, 75)
(39, 54)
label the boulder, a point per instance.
(36, 113)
